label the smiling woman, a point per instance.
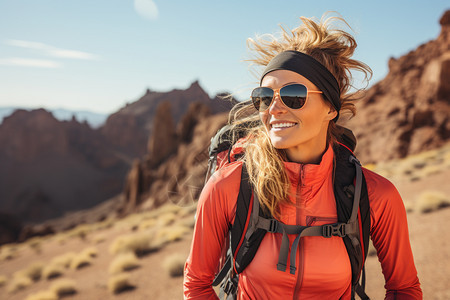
(300, 207)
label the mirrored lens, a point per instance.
(262, 97)
(294, 95)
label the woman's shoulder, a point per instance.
(225, 181)
(377, 183)
(383, 196)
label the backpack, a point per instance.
(251, 223)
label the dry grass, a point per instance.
(8, 252)
(174, 265)
(166, 219)
(33, 271)
(3, 280)
(146, 224)
(43, 295)
(99, 239)
(64, 260)
(64, 287)
(80, 261)
(173, 233)
(35, 243)
(124, 262)
(19, 282)
(119, 283)
(52, 271)
(141, 243)
(80, 231)
(90, 251)
(430, 201)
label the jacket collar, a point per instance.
(311, 174)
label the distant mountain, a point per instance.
(95, 120)
(50, 166)
(130, 127)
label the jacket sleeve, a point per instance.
(389, 233)
(213, 218)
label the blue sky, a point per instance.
(98, 55)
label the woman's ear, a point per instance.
(332, 113)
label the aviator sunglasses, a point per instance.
(292, 95)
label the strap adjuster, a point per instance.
(273, 225)
(336, 229)
(229, 286)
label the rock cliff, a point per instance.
(408, 111)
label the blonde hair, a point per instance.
(330, 46)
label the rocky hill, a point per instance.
(50, 167)
(408, 111)
(129, 128)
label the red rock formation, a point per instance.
(49, 167)
(408, 111)
(129, 128)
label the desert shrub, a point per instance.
(19, 282)
(33, 271)
(8, 253)
(80, 261)
(99, 239)
(63, 287)
(124, 262)
(166, 219)
(139, 243)
(188, 222)
(174, 265)
(61, 238)
(119, 283)
(3, 280)
(43, 295)
(146, 224)
(35, 243)
(90, 251)
(52, 270)
(173, 233)
(80, 231)
(430, 201)
(64, 260)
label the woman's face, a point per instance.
(305, 137)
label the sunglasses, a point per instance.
(292, 95)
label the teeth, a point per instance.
(283, 125)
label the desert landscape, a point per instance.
(142, 255)
(120, 225)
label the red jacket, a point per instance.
(323, 270)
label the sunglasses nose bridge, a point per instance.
(277, 103)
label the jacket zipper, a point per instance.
(300, 259)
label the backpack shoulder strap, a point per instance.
(352, 205)
(240, 224)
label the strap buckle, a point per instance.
(336, 229)
(273, 225)
(229, 286)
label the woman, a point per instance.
(290, 161)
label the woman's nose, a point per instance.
(277, 106)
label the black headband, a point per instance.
(310, 68)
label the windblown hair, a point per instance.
(330, 46)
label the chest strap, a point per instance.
(327, 231)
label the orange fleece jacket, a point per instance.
(323, 267)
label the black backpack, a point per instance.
(251, 223)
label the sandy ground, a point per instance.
(429, 241)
